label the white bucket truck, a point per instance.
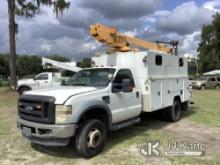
(109, 96)
(47, 79)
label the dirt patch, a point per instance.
(197, 133)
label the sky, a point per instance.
(68, 35)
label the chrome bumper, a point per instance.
(47, 134)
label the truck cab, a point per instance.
(109, 96)
(40, 81)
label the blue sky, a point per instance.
(148, 19)
(171, 4)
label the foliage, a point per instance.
(209, 47)
(59, 58)
(26, 64)
(86, 63)
(31, 8)
(4, 67)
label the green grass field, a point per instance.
(206, 109)
(200, 124)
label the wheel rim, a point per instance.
(94, 138)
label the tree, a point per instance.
(28, 9)
(59, 58)
(85, 63)
(4, 67)
(209, 47)
(28, 65)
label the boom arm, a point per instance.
(70, 66)
(119, 42)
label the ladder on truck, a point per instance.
(123, 43)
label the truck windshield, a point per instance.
(91, 77)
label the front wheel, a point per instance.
(22, 90)
(203, 87)
(91, 138)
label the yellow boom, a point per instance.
(122, 43)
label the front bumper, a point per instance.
(47, 134)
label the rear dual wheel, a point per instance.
(173, 113)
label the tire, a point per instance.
(22, 90)
(203, 87)
(173, 113)
(185, 106)
(91, 138)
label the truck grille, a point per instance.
(37, 108)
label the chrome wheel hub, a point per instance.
(94, 138)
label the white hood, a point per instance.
(23, 81)
(61, 94)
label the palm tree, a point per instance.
(28, 9)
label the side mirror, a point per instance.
(125, 86)
(34, 78)
(110, 77)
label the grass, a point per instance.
(122, 146)
(3, 83)
(206, 108)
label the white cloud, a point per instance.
(185, 19)
(122, 9)
(211, 5)
(190, 43)
(68, 35)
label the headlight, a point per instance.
(63, 113)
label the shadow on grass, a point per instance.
(149, 121)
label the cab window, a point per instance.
(181, 62)
(124, 74)
(212, 79)
(158, 60)
(43, 76)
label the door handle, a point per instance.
(46, 81)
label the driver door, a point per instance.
(125, 105)
(42, 80)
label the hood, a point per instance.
(61, 94)
(22, 81)
(25, 80)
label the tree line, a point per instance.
(28, 65)
(209, 47)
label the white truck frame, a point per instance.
(137, 82)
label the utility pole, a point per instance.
(12, 45)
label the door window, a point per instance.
(43, 76)
(124, 74)
(212, 79)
